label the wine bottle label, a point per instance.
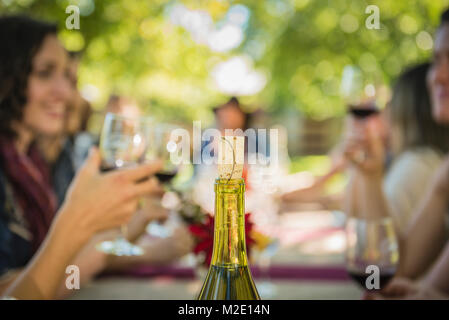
(231, 157)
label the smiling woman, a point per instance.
(35, 85)
(34, 90)
(48, 89)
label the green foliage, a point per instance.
(131, 47)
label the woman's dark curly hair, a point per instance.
(20, 38)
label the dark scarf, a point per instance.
(30, 179)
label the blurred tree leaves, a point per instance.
(131, 47)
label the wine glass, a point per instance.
(165, 145)
(358, 93)
(124, 142)
(372, 251)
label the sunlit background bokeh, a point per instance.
(180, 58)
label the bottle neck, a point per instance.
(229, 233)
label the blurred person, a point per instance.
(95, 202)
(417, 144)
(124, 106)
(34, 92)
(316, 190)
(78, 115)
(156, 251)
(228, 115)
(429, 228)
(35, 89)
(66, 150)
(424, 256)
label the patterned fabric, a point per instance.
(27, 177)
(16, 232)
(15, 237)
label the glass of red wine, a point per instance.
(165, 144)
(363, 112)
(124, 142)
(358, 93)
(372, 252)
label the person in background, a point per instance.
(67, 150)
(34, 92)
(417, 144)
(95, 202)
(92, 262)
(79, 112)
(316, 190)
(228, 116)
(425, 255)
(122, 105)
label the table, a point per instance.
(182, 289)
(313, 242)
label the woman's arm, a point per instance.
(42, 277)
(95, 202)
(7, 279)
(425, 236)
(91, 262)
(365, 198)
(314, 192)
(158, 251)
(438, 277)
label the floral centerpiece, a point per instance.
(201, 226)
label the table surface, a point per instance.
(306, 239)
(165, 288)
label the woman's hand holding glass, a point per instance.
(364, 147)
(99, 201)
(125, 142)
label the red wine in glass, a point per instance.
(107, 168)
(363, 112)
(360, 278)
(166, 176)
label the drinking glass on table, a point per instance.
(372, 252)
(124, 142)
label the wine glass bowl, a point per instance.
(124, 142)
(165, 145)
(359, 93)
(371, 251)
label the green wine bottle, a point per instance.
(229, 277)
